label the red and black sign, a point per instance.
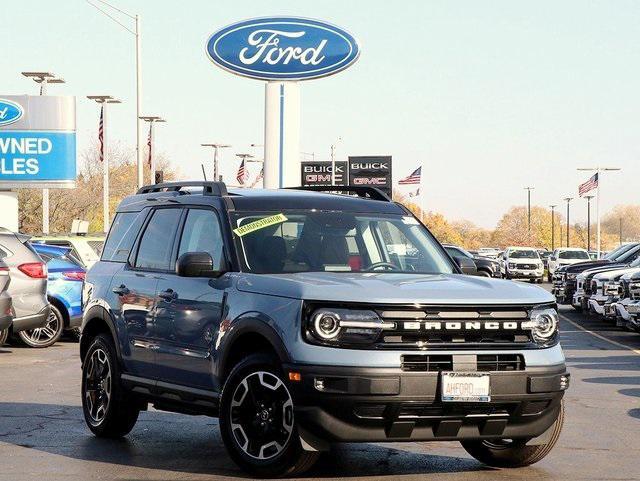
(374, 171)
(319, 173)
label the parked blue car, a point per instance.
(64, 291)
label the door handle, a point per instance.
(121, 290)
(168, 295)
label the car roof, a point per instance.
(265, 200)
(572, 249)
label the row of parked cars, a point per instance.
(609, 287)
(41, 286)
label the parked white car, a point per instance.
(565, 256)
(522, 263)
(490, 252)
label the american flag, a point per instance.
(149, 146)
(242, 174)
(101, 135)
(414, 178)
(589, 185)
(258, 178)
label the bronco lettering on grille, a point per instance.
(461, 325)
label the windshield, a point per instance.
(313, 241)
(573, 255)
(523, 254)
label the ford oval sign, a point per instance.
(10, 112)
(283, 48)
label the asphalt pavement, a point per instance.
(43, 435)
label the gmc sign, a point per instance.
(374, 171)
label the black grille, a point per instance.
(623, 289)
(461, 328)
(427, 362)
(526, 266)
(500, 362)
(484, 362)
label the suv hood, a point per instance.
(389, 288)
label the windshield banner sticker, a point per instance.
(259, 224)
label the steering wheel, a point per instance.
(388, 265)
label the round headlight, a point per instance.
(326, 324)
(544, 325)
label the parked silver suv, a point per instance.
(28, 288)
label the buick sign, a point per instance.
(283, 48)
(10, 112)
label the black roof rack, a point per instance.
(364, 191)
(217, 189)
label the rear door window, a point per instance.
(202, 233)
(156, 245)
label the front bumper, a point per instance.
(356, 404)
(525, 274)
(596, 304)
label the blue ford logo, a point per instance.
(283, 48)
(10, 112)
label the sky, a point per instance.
(489, 97)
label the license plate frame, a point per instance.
(465, 386)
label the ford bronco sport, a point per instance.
(303, 318)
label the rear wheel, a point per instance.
(48, 334)
(108, 409)
(514, 453)
(4, 335)
(257, 422)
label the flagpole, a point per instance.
(103, 100)
(598, 170)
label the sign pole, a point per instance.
(598, 213)
(105, 171)
(45, 192)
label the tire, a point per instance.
(4, 335)
(514, 453)
(266, 445)
(48, 334)
(109, 410)
(484, 274)
(549, 278)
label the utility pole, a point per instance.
(588, 197)
(529, 189)
(44, 78)
(103, 100)
(620, 230)
(553, 227)
(216, 147)
(598, 170)
(152, 119)
(568, 200)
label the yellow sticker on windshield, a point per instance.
(259, 224)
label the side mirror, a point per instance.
(468, 266)
(196, 264)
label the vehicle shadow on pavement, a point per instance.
(193, 445)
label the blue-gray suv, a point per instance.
(302, 318)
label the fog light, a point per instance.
(564, 382)
(319, 384)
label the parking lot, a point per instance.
(43, 435)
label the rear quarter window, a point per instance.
(122, 235)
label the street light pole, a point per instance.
(598, 170)
(103, 100)
(152, 119)
(44, 78)
(333, 160)
(620, 230)
(568, 200)
(588, 197)
(215, 147)
(136, 32)
(529, 189)
(553, 227)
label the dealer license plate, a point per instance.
(465, 387)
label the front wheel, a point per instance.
(4, 335)
(514, 453)
(257, 422)
(48, 334)
(108, 409)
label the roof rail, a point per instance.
(364, 191)
(217, 189)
